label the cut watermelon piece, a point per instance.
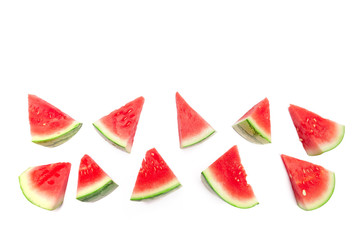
(191, 126)
(312, 184)
(45, 185)
(154, 178)
(227, 177)
(255, 124)
(119, 127)
(317, 134)
(93, 182)
(49, 126)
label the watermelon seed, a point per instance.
(304, 192)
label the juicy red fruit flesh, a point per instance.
(316, 133)
(45, 118)
(153, 172)
(96, 173)
(46, 177)
(312, 184)
(233, 175)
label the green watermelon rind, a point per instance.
(248, 129)
(212, 183)
(198, 138)
(58, 139)
(111, 138)
(158, 191)
(322, 201)
(330, 145)
(31, 196)
(97, 192)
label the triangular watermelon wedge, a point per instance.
(255, 124)
(45, 185)
(317, 134)
(312, 184)
(192, 127)
(227, 177)
(49, 126)
(154, 177)
(119, 127)
(93, 182)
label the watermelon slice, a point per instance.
(191, 126)
(119, 127)
(93, 182)
(227, 177)
(317, 134)
(255, 124)
(312, 184)
(45, 185)
(49, 126)
(154, 178)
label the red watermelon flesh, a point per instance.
(45, 185)
(49, 126)
(317, 134)
(192, 127)
(312, 184)
(227, 177)
(119, 127)
(255, 124)
(154, 177)
(93, 182)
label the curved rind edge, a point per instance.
(30, 199)
(209, 182)
(198, 139)
(110, 140)
(59, 139)
(251, 132)
(98, 193)
(162, 191)
(330, 146)
(326, 199)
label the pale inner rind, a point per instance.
(336, 141)
(251, 131)
(39, 138)
(37, 197)
(199, 137)
(112, 137)
(156, 191)
(93, 187)
(324, 198)
(225, 195)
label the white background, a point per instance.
(91, 57)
